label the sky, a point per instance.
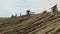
(9, 7)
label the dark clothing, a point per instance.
(54, 9)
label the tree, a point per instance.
(15, 15)
(45, 11)
(20, 14)
(12, 16)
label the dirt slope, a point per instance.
(44, 23)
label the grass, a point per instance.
(58, 12)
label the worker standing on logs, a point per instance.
(28, 12)
(54, 9)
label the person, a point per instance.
(28, 12)
(54, 9)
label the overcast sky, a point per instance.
(9, 7)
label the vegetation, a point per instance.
(12, 16)
(20, 14)
(58, 12)
(45, 11)
(15, 15)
